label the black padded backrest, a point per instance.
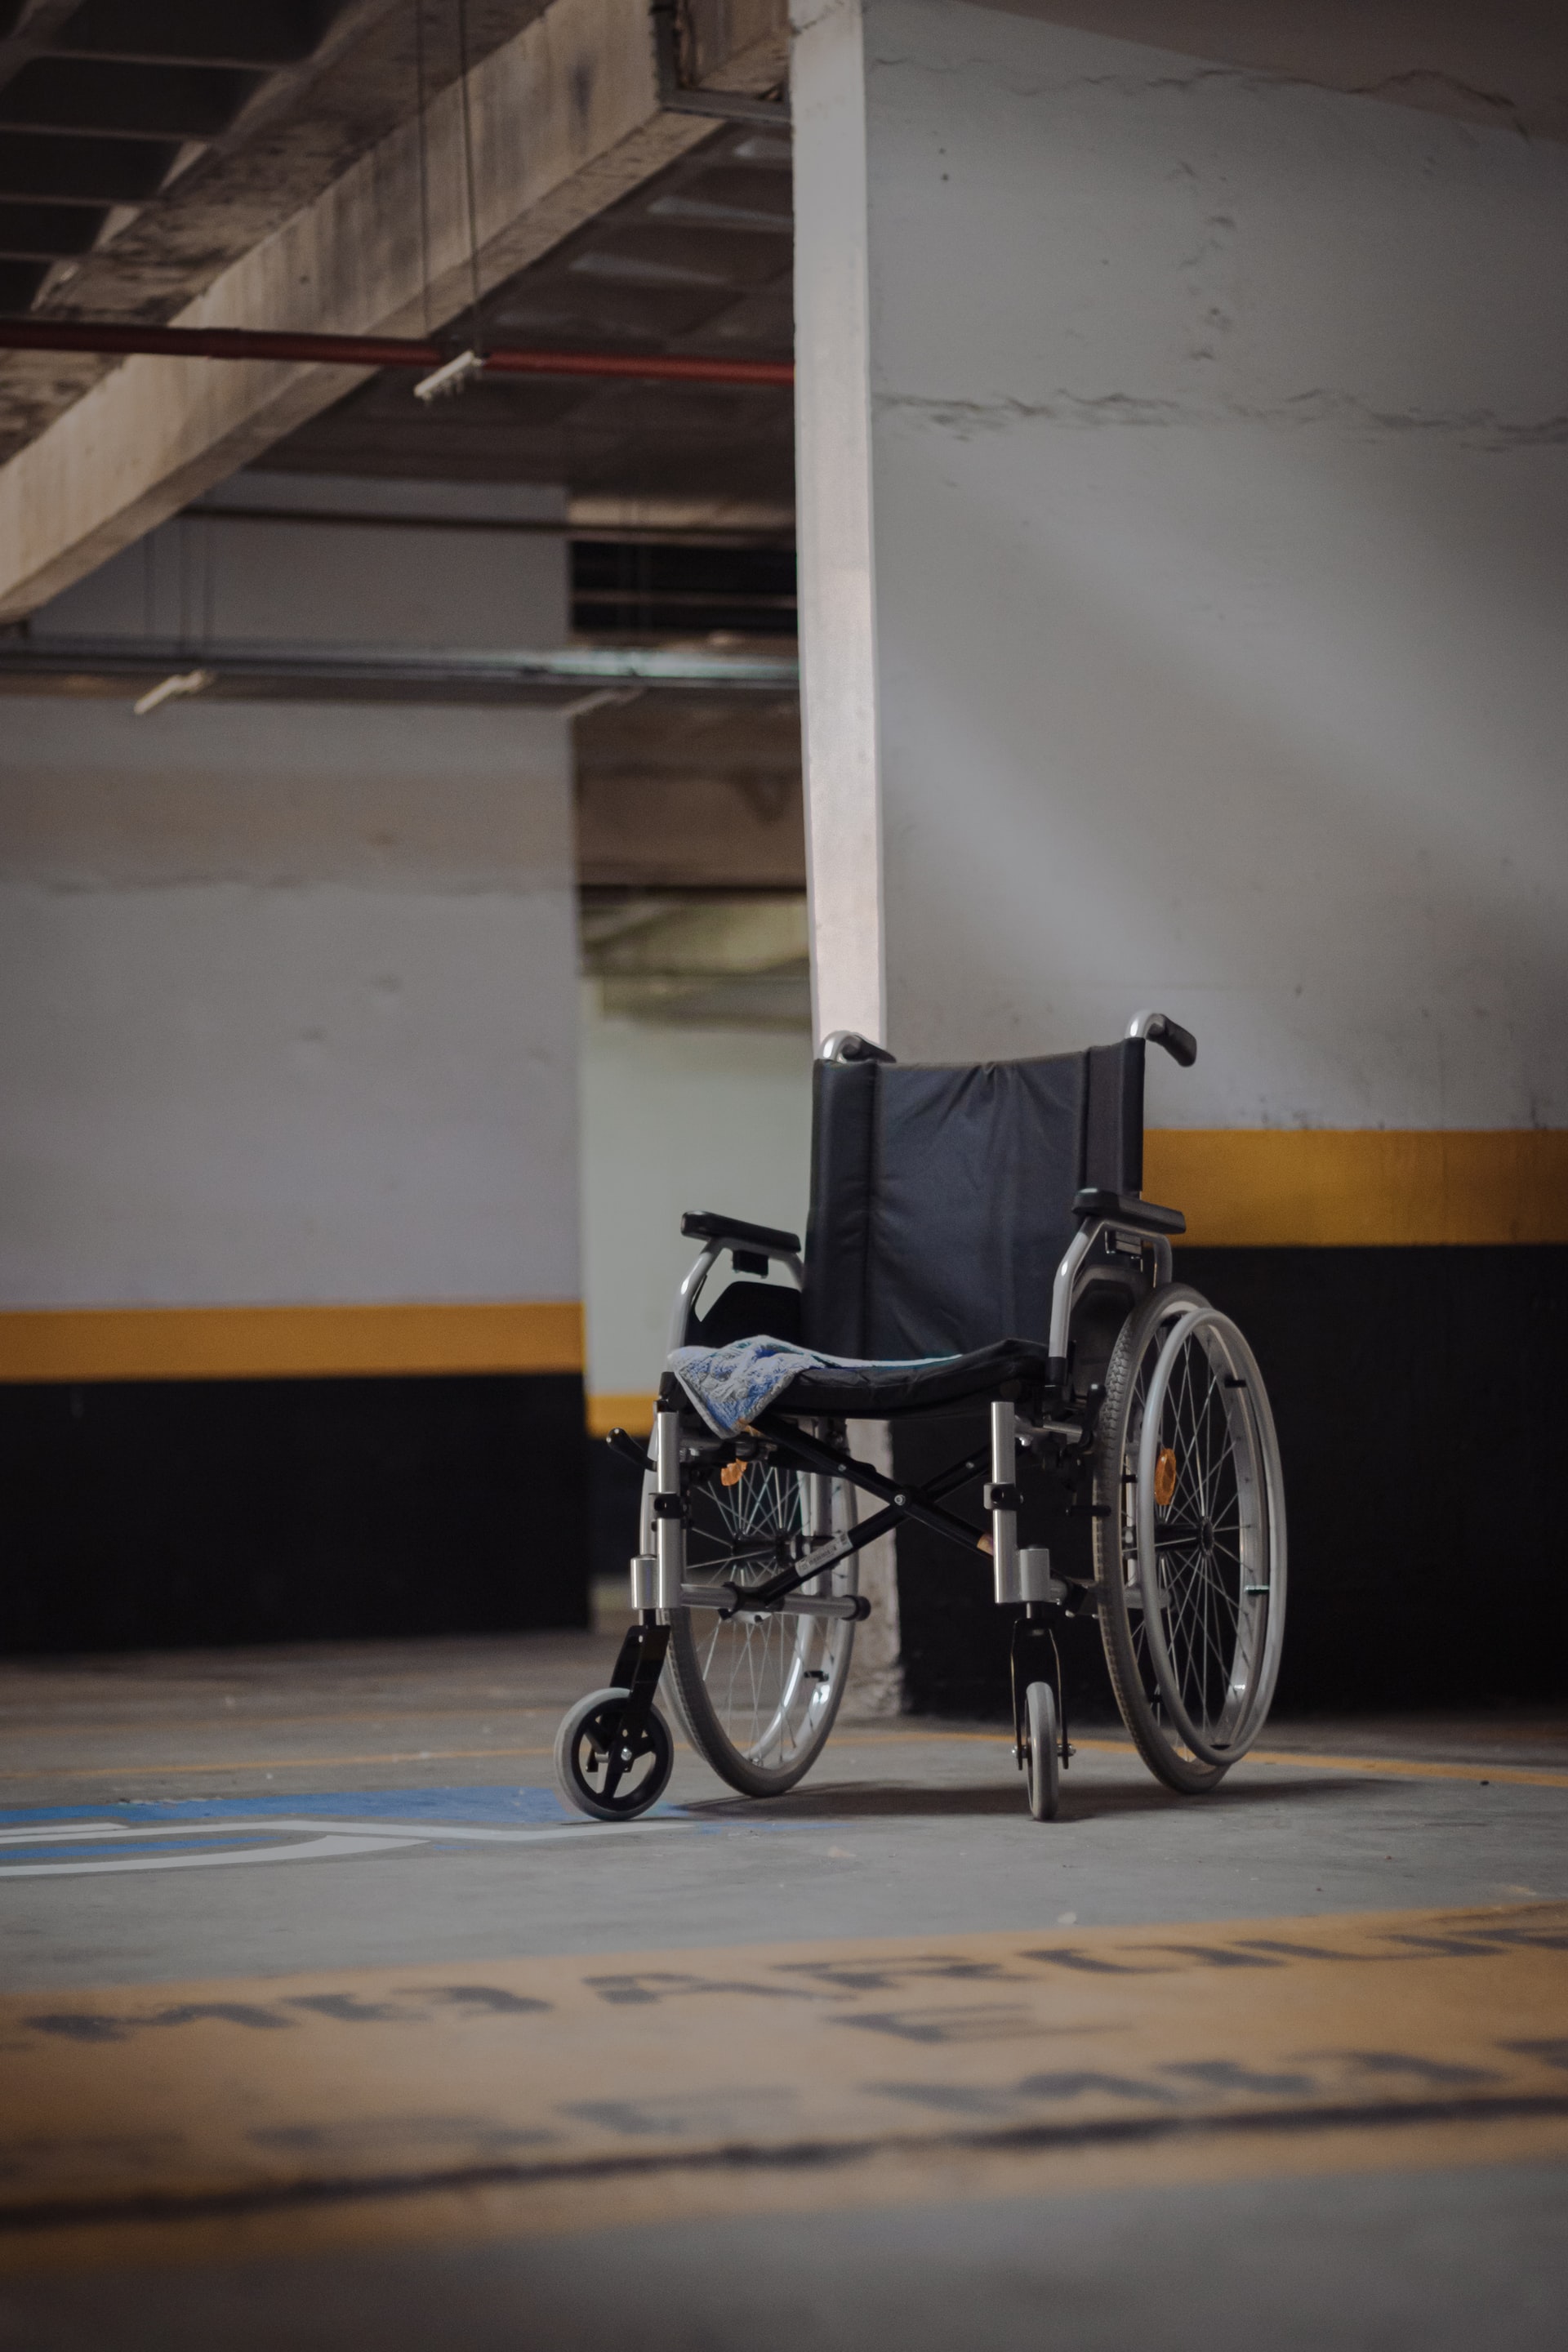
(1113, 1128)
(742, 1310)
(942, 1196)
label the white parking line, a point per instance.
(322, 1841)
(318, 1849)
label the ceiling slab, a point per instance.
(629, 442)
(388, 247)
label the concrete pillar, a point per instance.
(1182, 513)
(1181, 507)
(835, 472)
(290, 1063)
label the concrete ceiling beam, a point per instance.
(565, 120)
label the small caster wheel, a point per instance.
(1042, 1751)
(603, 1775)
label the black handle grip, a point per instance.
(1179, 1042)
(848, 1046)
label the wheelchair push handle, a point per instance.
(848, 1046)
(1161, 1030)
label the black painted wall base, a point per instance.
(1422, 1400)
(166, 1513)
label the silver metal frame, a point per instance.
(702, 1266)
(659, 1564)
(1067, 1285)
(669, 1531)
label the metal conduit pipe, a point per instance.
(110, 338)
(439, 672)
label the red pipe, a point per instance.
(373, 350)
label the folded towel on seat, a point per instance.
(730, 1385)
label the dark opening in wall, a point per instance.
(624, 588)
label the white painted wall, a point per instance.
(678, 1119)
(290, 991)
(1219, 556)
(337, 559)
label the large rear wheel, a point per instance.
(1189, 1539)
(759, 1689)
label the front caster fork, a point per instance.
(613, 1752)
(638, 1668)
(1035, 1658)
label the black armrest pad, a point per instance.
(707, 1226)
(1141, 1216)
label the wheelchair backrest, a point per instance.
(942, 1196)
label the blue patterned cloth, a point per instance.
(730, 1385)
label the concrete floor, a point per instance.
(324, 2025)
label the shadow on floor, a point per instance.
(1081, 1801)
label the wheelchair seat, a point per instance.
(881, 1391)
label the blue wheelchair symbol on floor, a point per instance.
(77, 1842)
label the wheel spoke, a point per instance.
(1202, 1655)
(764, 1679)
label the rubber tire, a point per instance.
(1042, 1751)
(1188, 1775)
(579, 1793)
(708, 1735)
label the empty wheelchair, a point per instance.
(978, 1252)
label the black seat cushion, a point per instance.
(878, 1393)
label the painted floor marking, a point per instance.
(1396, 1766)
(501, 1805)
(582, 2083)
(1411, 1769)
(226, 1720)
(1392, 1766)
(301, 1835)
(217, 1768)
(329, 1848)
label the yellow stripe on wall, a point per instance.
(1269, 1187)
(632, 1411)
(1240, 1188)
(211, 1343)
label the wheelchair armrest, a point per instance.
(707, 1226)
(1127, 1209)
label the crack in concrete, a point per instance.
(1497, 110)
(1431, 79)
(1483, 427)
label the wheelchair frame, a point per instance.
(1044, 1417)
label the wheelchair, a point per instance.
(978, 1247)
